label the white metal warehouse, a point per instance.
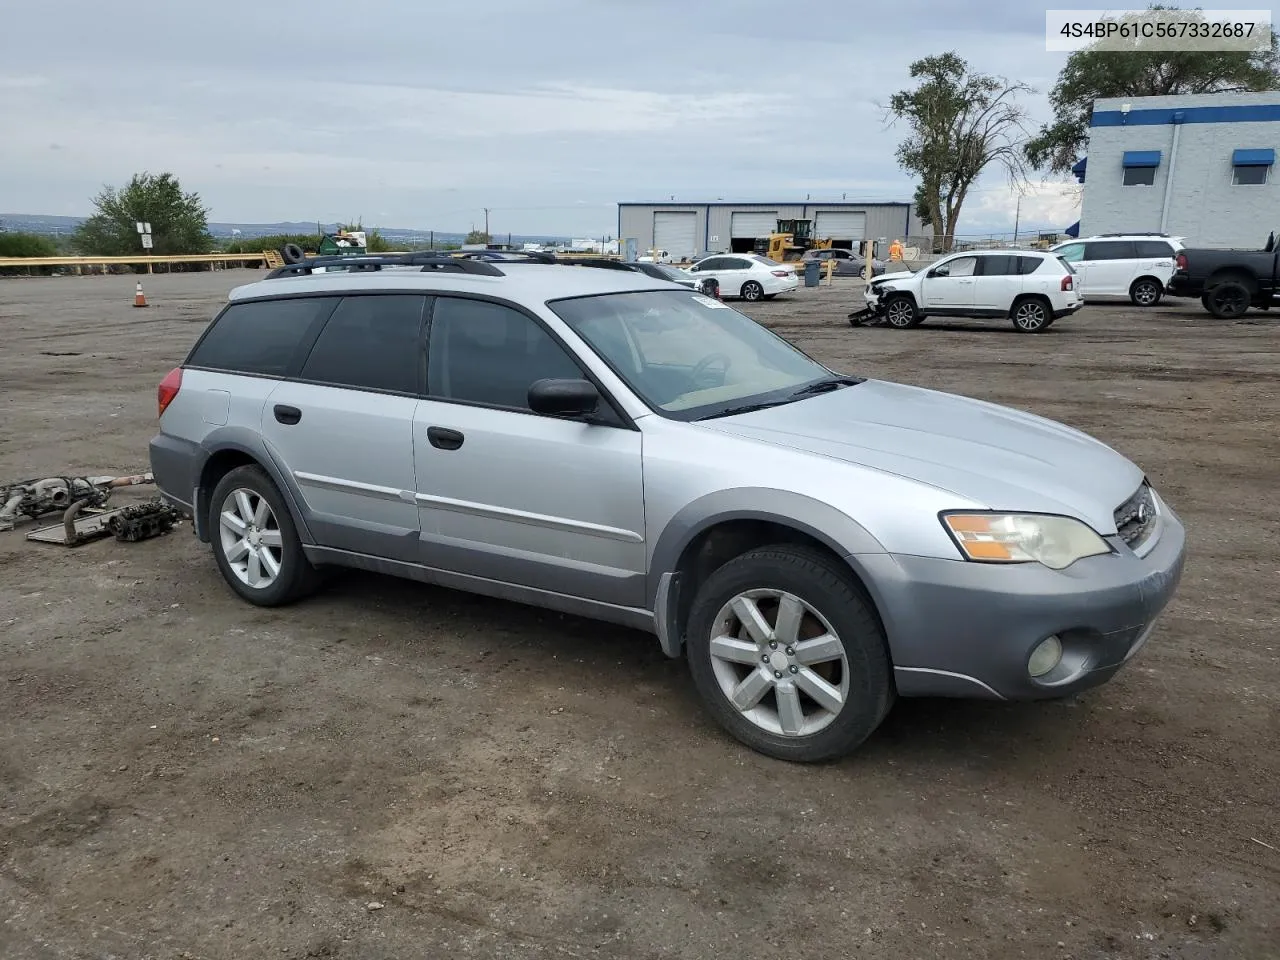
(687, 230)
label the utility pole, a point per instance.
(1017, 218)
(486, 224)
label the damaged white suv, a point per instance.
(1030, 288)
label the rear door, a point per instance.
(998, 282)
(344, 428)
(953, 289)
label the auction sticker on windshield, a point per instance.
(710, 302)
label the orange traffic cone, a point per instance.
(139, 298)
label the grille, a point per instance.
(1136, 517)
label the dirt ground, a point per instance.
(389, 770)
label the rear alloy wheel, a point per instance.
(752, 291)
(1031, 316)
(1228, 299)
(1145, 292)
(900, 312)
(788, 654)
(255, 542)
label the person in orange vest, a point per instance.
(895, 250)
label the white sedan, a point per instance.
(747, 275)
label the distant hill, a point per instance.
(39, 223)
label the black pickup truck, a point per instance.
(1228, 282)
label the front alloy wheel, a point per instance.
(900, 312)
(788, 653)
(779, 663)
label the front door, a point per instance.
(512, 496)
(346, 435)
(952, 289)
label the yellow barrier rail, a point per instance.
(148, 261)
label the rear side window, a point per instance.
(1154, 248)
(371, 342)
(999, 265)
(263, 337)
(1110, 250)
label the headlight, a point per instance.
(1056, 542)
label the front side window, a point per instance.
(481, 352)
(1072, 252)
(371, 342)
(262, 337)
(688, 355)
(961, 267)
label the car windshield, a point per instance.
(688, 355)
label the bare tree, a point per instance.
(961, 122)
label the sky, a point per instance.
(421, 113)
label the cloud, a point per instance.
(546, 114)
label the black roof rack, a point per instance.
(1135, 233)
(376, 261)
(476, 262)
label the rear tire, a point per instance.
(1145, 292)
(1228, 300)
(817, 702)
(1031, 315)
(255, 542)
(752, 291)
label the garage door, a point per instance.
(840, 225)
(748, 226)
(677, 233)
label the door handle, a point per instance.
(288, 415)
(443, 438)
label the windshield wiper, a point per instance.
(746, 408)
(826, 386)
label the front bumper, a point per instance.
(963, 629)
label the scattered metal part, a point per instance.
(80, 527)
(143, 521)
(37, 498)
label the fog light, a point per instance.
(1046, 656)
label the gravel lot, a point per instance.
(389, 770)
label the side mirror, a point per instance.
(563, 398)
(939, 272)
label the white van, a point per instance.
(1123, 266)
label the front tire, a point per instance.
(1145, 292)
(752, 291)
(788, 654)
(1031, 315)
(255, 542)
(900, 312)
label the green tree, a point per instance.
(961, 122)
(179, 221)
(478, 236)
(1103, 70)
(26, 245)
(923, 206)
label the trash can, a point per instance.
(812, 272)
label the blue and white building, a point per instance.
(1199, 166)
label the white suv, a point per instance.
(1030, 288)
(1123, 266)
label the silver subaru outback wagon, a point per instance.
(606, 444)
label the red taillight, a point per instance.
(1067, 283)
(168, 389)
(1181, 261)
(782, 273)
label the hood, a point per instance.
(1001, 458)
